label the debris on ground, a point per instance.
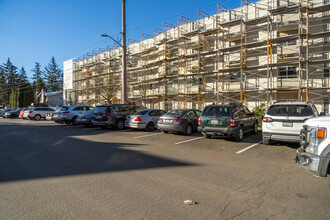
(190, 202)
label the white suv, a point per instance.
(68, 114)
(284, 120)
(37, 113)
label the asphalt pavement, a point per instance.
(55, 171)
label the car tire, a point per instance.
(164, 132)
(255, 128)
(150, 127)
(265, 141)
(120, 125)
(37, 117)
(67, 122)
(240, 134)
(205, 135)
(188, 130)
(74, 121)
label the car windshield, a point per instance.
(290, 110)
(216, 111)
(141, 112)
(100, 109)
(175, 112)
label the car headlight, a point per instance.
(316, 136)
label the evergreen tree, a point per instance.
(22, 77)
(53, 76)
(3, 88)
(38, 82)
(9, 72)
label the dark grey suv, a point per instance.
(113, 116)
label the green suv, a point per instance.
(228, 120)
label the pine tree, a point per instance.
(3, 88)
(38, 82)
(11, 78)
(53, 76)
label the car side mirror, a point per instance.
(322, 113)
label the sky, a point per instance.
(36, 30)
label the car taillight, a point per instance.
(160, 120)
(267, 119)
(65, 112)
(30, 112)
(232, 123)
(199, 121)
(178, 119)
(137, 119)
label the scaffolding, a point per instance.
(261, 52)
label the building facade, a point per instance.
(259, 53)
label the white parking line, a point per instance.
(148, 135)
(253, 145)
(181, 142)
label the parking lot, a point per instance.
(51, 170)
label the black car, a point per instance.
(113, 116)
(229, 120)
(12, 114)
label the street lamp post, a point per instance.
(124, 63)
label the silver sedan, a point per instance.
(144, 119)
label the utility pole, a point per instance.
(124, 60)
(124, 64)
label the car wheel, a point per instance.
(37, 117)
(150, 126)
(240, 134)
(164, 132)
(255, 128)
(74, 121)
(205, 135)
(188, 130)
(67, 122)
(265, 141)
(120, 125)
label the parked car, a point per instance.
(112, 115)
(3, 111)
(53, 116)
(21, 113)
(284, 120)
(180, 120)
(85, 118)
(68, 114)
(228, 120)
(144, 119)
(12, 114)
(37, 113)
(314, 152)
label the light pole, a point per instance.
(123, 46)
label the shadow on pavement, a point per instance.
(30, 152)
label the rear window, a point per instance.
(175, 112)
(100, 109)
(216, 111)
(290, 110)
(141, 112)
(64, 108)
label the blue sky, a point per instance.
(35, 30)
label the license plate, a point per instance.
(287, 124)
(167, 121)
(214, 122)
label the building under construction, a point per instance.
(259, 53)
